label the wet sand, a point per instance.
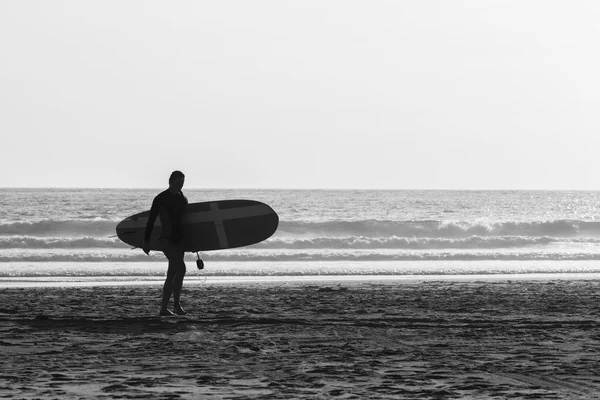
(305, 339)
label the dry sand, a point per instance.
(397, 340)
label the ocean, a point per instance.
(70, 234)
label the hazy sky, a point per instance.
(300, 94)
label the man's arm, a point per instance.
(150, 224)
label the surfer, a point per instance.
(170, 205)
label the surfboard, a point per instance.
(211, 225)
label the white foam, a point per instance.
(83, 270)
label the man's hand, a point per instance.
(146, 247)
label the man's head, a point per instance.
(176, 180)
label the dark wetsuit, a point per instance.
(174, 205)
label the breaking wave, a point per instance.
(443, 229)
(369, 228)
(394, 242)
(52, 227)
(350, 242)
(86, 242)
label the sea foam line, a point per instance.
(73, 271)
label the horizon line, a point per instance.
(299, 188)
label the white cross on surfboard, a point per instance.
(218, 216)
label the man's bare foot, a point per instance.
(165, 312)
(179, 311)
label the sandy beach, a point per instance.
(305, 339)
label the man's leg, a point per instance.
(167, 290)
(175, 257)
(177, 285)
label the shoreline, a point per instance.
(101, 281)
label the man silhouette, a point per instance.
(170, 205)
